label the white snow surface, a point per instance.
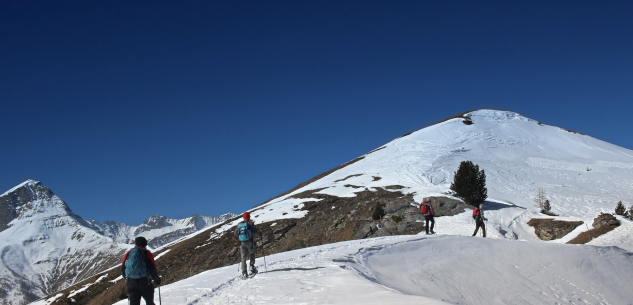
(420, 270)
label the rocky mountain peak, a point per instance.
(28, 199)
(155, 222)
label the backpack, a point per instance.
(243, 232)
(475, 213)
(425, 209)
(135, 267)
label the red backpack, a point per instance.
(424, 208)
(475, 213)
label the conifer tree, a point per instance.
(540, 199)
(620, 209)
(546, 206)
(379, 212)
(469, 184)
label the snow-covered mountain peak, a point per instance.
(27, 182)
(582, 175)
(31, 199)
(495, 116)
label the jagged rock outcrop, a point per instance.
(605, 220)
(549, 229)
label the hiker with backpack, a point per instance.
(427, 209)
(137, 267)
(244, 232)
(478, 216)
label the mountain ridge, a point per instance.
(45, 246)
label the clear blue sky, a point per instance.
(127, 109)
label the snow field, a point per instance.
(421, 270)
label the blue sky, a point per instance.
(127, 109)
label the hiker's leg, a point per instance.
(432, 223)
(476, 228)
(483, 228)
(244, 253)
(252, 251)
(147, 291)
(133, 293)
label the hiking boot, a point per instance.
(432, 232)
(253, 270)
(244, 275)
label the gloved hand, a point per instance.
(157, 281)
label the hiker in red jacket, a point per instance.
(427, 209)
(478, 215)
(137, 267)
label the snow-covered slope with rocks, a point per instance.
(45, 247)
(159, 230)
(582, 176)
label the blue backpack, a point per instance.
(243, 232)
(135, 267)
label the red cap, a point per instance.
(246, 215)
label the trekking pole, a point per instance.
(264, 252)
(160, 300)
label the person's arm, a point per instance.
(123, 264)
(151, 267)
(255, 231)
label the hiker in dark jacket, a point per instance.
(244, 232)
(427, 209)
(478, 215)
(137, 267)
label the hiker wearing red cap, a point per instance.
(244, 232)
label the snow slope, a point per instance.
(581, 176)
(420, 270)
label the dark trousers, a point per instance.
(480, 223)
(429, 218)
(246, 248)
(137, 288)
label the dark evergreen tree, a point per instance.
(546, 206)
(620, 209)
(379, 212)
(469, 184)
(629, 214)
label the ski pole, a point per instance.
(264, 252)
(160, 300)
